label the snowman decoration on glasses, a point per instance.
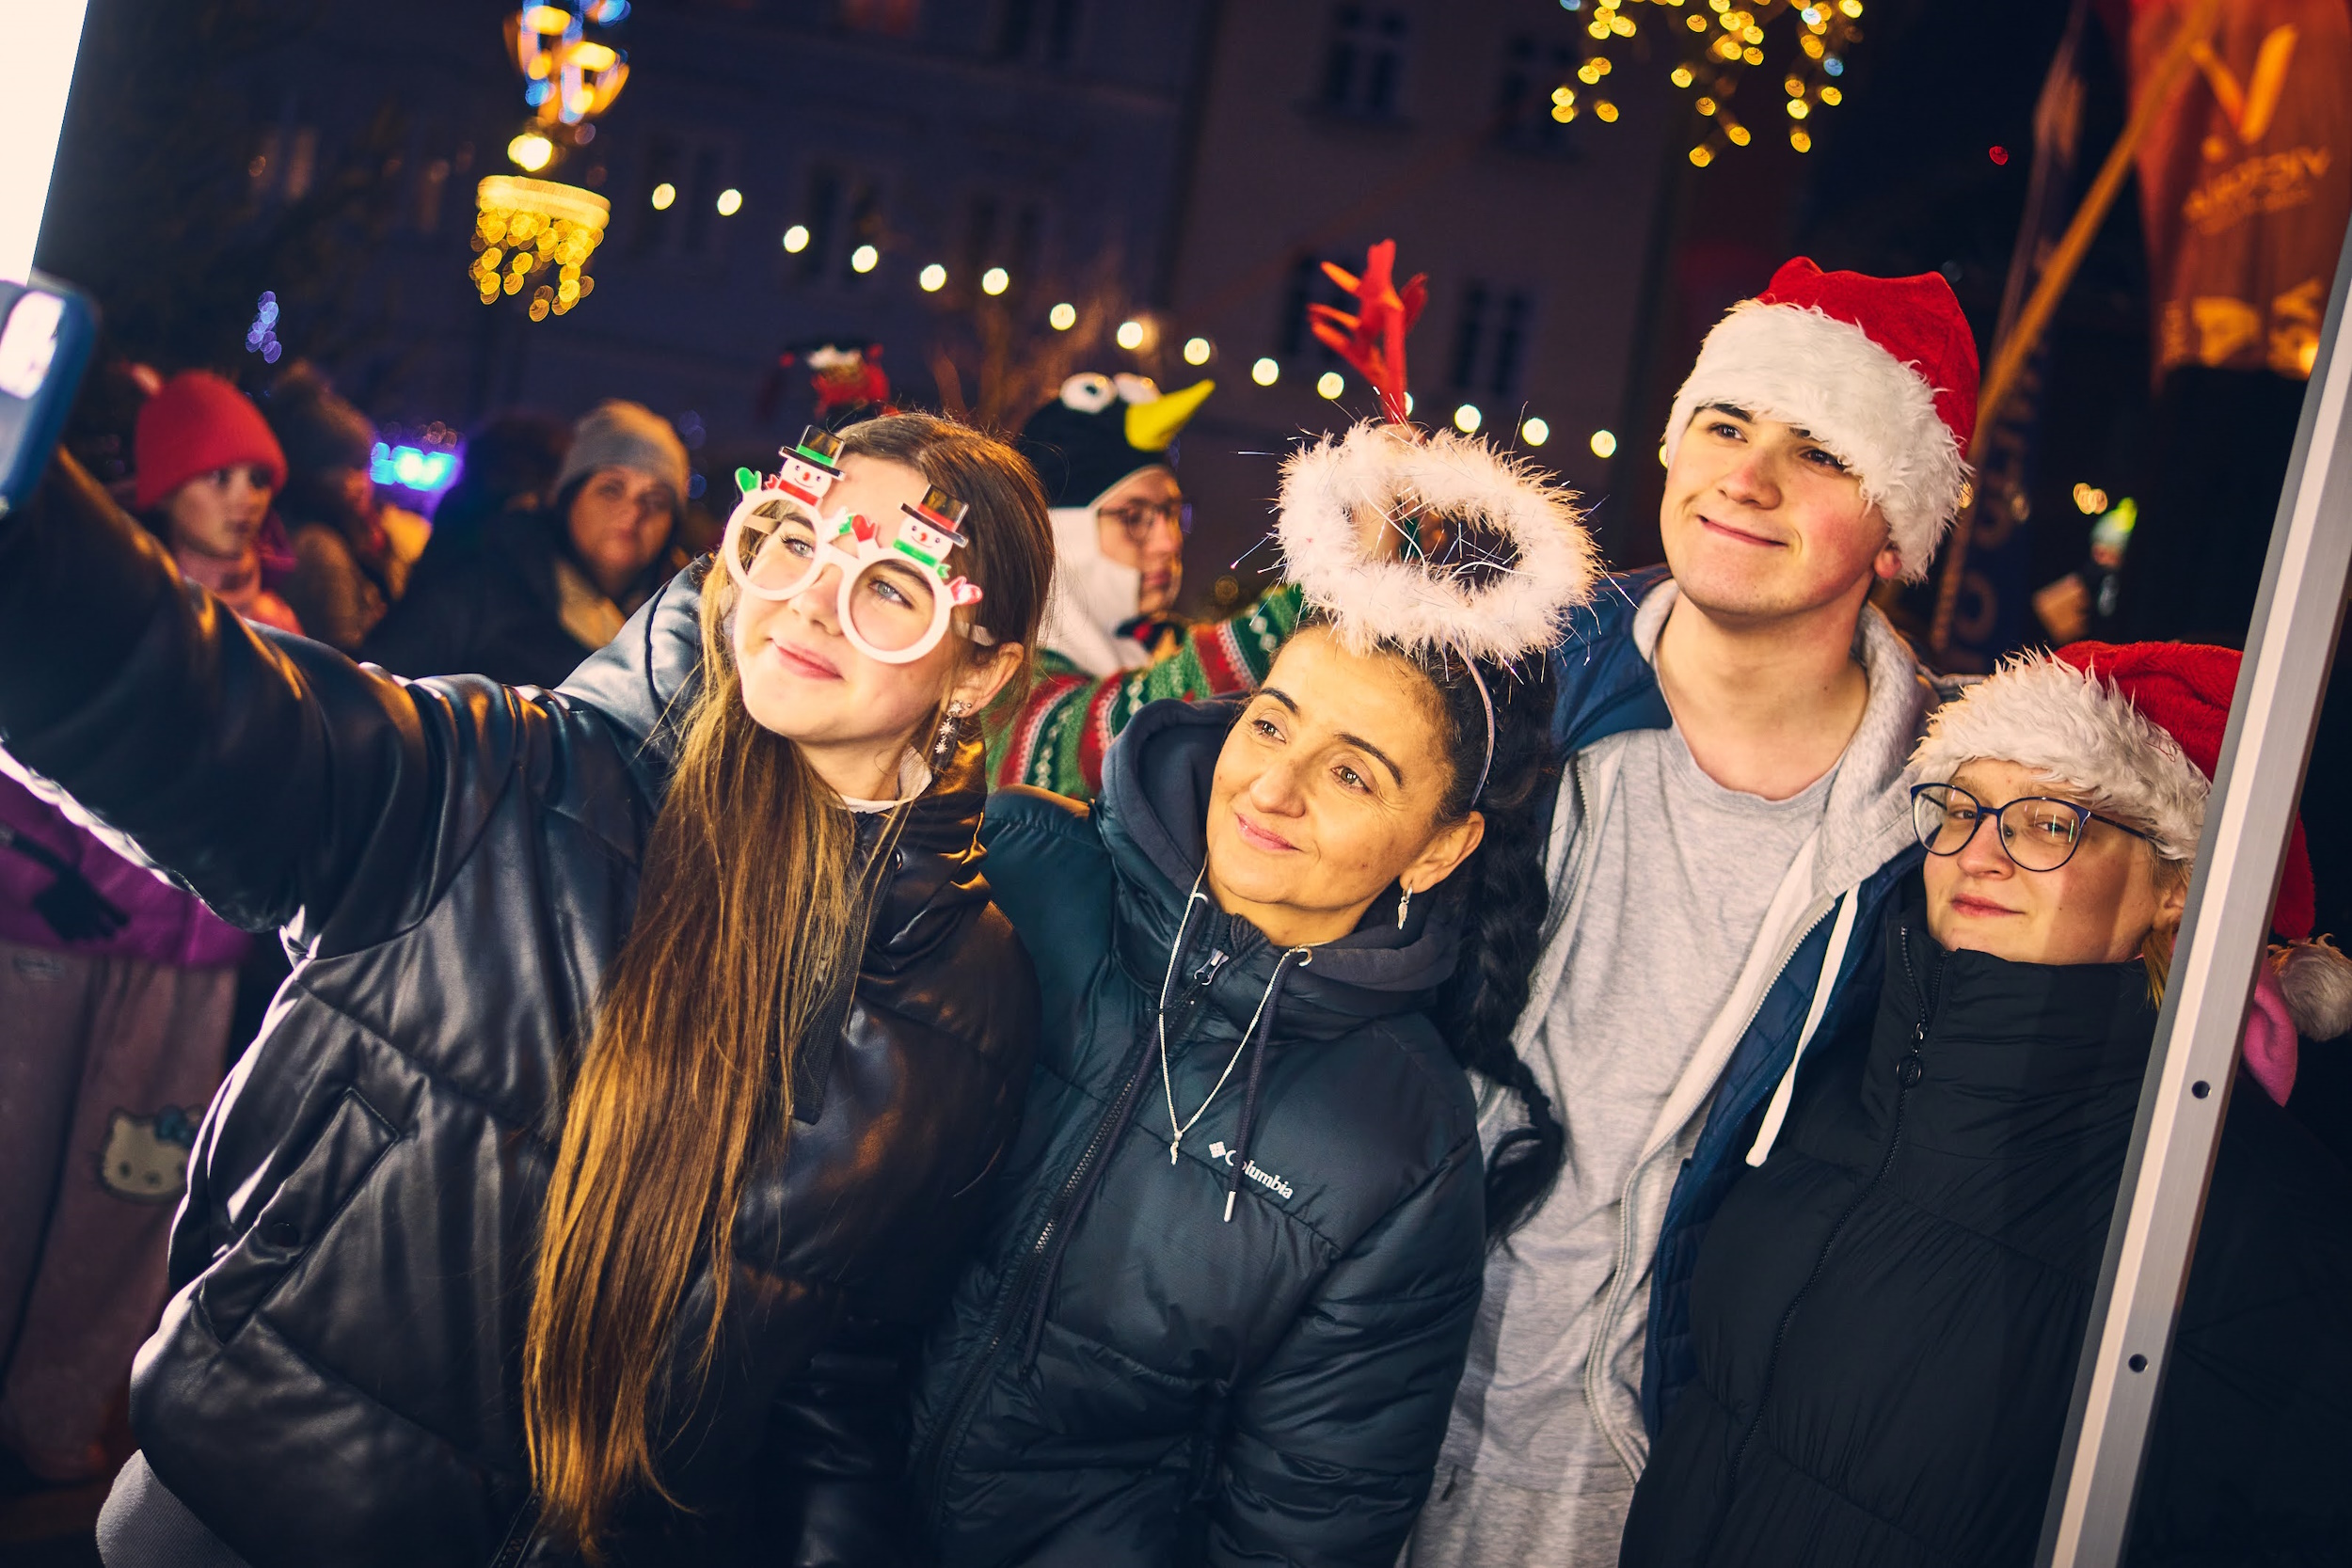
(896, 597)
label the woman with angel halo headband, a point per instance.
(619, 1129)
(1231, 1271)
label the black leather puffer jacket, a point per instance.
(1131, 1378)
(336, 1379)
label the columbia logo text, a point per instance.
(1263, 1177)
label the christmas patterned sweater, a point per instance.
(1056, 739)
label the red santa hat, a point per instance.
(1880, 371)
(2135, 729)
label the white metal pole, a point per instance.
(2288, 651)
(39, 39)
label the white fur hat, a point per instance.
(2043, 713)
(1880, 371)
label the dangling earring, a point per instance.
(949, 723)
(1404, 902)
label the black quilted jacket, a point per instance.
(1129, 1378)
(336, 1377)
(1888, 1314)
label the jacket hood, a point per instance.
(1606, 685)
(1153, 812)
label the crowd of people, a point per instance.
(549, 1051)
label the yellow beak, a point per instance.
(1150, 427)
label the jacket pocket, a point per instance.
(316, 1191)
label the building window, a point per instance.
(1310, 285)
(1491, 333)
(698, 196)
(998, 234)
(665, 165)
(1043, 31)
(1363, 66)
(820, 214)
(1523, 102)
(892, 18)
(866, 227)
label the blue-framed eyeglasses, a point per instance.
(2038, 833)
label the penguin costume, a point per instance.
(1099, 660)
(1099, 433)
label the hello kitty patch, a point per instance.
(146, 1158)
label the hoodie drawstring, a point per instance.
(1823, 988)
(1257, 1070)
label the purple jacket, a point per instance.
(162, 923)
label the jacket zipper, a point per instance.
(929, 1463)
(1908, 1072)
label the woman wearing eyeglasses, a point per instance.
(1887, 1314)
(1105, 450)
(626, 1114)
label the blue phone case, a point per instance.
(46, 333)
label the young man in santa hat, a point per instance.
(1732, 818)
(1105, 450)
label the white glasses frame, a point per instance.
(853, 544)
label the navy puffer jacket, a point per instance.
(1129, 1378)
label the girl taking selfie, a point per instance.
(646, 1043)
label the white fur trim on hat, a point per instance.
(1427, 606)
(1877, 415)
(2316, 980)
(2076, 729)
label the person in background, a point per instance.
(1737, 727)
(125, 998)
(118, 989)
(205, 468)
(1105, 450)
(351, 551)
(510, 460)
(1887, 1313)
(545, 587)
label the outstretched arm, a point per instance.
(1333, 1442)
(281, 781)
(1058, 738)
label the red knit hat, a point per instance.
(1880, 371)
(196, 424)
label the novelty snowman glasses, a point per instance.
(896, 599)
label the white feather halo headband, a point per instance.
(1477, 608)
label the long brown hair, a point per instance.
(744, 917)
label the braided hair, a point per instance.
(1502, 895)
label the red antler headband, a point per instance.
(1472, 600)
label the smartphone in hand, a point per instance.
(46, 331)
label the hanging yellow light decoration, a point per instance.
(538, 233)
(1724, 40)
(536, 229)
(566, 77)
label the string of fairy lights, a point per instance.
(1721, 40)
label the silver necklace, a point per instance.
(1167, 1084)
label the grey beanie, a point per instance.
(618, 435)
